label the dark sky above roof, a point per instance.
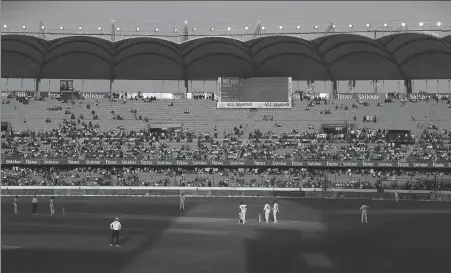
(168, 15)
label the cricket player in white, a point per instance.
(115, 227)
(275, 210)
(267, 210)
(182, 202)
(364, 213)
(243, 209)
(396, 195)
(16, 205)
(52, 206)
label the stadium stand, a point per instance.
(140, 128)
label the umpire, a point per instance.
(115, 227)
(34, 201)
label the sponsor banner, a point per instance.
(94, 95)
(224, 163)
(207, 95)
(312, 95)
(248, 105)
(159, 96)
(18, 94)
(52, 95)
(86, 95)
(429, 96)
(372, 96)
(361, 96)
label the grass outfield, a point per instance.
(312, 235)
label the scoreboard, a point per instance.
(254, 92)
(230, 88)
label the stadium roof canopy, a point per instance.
(333, 57)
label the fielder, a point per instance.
(52, 206)
(275, 210)
(396, 196)
(182, 202)
(267, 210)
(243, 209)
(16, 205)
(364, 213)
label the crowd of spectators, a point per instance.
(80, 139)
(433, 144)
(124, 96)
(268, 118)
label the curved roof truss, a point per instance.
(317, 56)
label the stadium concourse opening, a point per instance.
(314, 126)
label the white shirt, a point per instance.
(116, 225)
(267, 208)
(275, 207)
(15, 201)
(243, 208)
(34, 200)
(363, 208)
(182, 198)
(51, 202)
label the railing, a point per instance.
(241, 35)
(224, 192)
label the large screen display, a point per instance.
(254, 93)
